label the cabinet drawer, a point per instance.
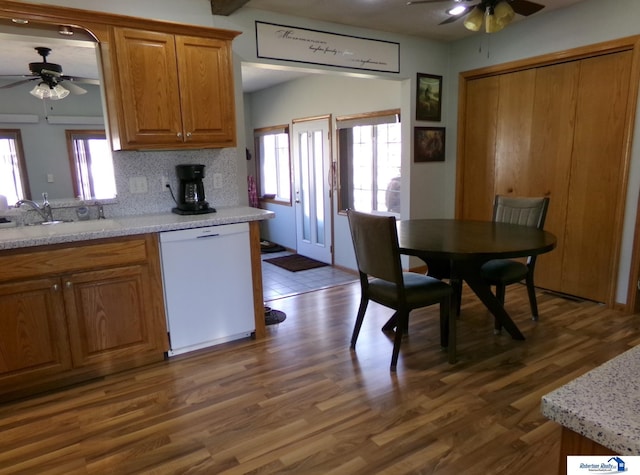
(59, 260)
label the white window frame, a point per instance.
(273, 150)
(14, 181)
(382, 195)
(91, 179)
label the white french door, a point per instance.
(312, 165)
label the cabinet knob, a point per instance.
(68, 284)
(55, 287)
(179, 134)
(188, 134)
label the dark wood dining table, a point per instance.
(457, 249)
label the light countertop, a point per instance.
(41, 235)
(602, 405)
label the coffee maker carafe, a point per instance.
(191, 198)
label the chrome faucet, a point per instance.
(100, 210)
(43, 210)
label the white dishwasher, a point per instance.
(208, 290)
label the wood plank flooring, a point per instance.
(301, 402)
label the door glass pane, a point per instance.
(304, 189)
(318, 188)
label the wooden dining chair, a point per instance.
(382, 280)
(502, 272)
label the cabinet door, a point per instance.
(109, 317)
(33, 339)
(147, 82)
(206, 90)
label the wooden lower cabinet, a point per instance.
(572, 443)
(69, 314)
(34, 343)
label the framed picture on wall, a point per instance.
(428, 144)
(428, 97)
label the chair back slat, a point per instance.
(523, 211)
(375, 242)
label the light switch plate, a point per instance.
(217, 180)
(138, 184)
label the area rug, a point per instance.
(295, 262)
(268, 247)
(273, 317)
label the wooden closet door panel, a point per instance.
(481, 110)
(547, 173)
(588, 267)
(515, 106)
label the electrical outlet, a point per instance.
(164, 183)
(217, 180)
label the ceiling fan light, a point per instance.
(40, 91)
(503, 13)
(473, 21)
(492, 25)
(44, 91)
(58, 92)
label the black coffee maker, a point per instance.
(191, 195)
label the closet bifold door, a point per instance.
(553, 130)
(597, 173)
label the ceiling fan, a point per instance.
(48, 77)
(496, 13)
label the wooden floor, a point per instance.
(302, 402)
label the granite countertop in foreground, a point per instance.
(603, 404)
(41, 235)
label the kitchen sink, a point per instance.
(49, 223)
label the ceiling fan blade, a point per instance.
(17, 83)
(80, 80)
(417, 2)
(525, 7)
(73, 88)
(452, 18)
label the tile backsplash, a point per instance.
(153, 165)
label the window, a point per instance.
(272, 148)
(91, 164)
(14, 184)
(369, 154)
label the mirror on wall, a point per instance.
(53, 162)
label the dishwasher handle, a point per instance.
(207, 236)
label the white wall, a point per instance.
(588, 22)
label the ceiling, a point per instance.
(393, 16)
(76, 54)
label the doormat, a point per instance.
(295, 262)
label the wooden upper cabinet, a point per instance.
(206, 90)
(171, 91)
